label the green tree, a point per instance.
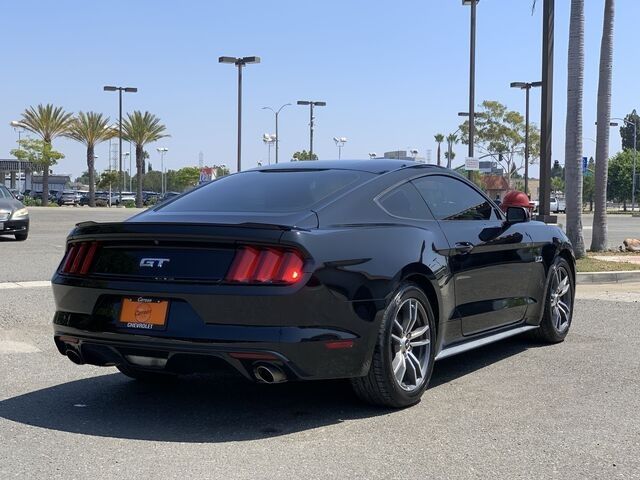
(39, 153)
(599, 238)
(626, 131)
(108, 180)
(48, 122)
(557, 171)
(83, 178)
(557, 185)
(588, 188)
(452, 139)
(619, 177)
(142, 129)
(90, 129)
(303, 156)
(439, 138)
(500, 134)
(183, 179)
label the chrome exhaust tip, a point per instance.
(265, 373)
(74, 356)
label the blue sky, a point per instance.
(392, 73)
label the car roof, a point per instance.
(380, 165)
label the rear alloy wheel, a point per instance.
(403, 358)
(558, 310)
(145, 375)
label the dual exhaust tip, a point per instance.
(268, 373)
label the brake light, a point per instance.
(266, 265)
(79, 258)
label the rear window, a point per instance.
(267, 191)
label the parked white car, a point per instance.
(126, 197)
(556, 205)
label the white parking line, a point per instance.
(34, 284)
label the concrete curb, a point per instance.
(609, 277)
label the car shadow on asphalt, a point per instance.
(200, 408)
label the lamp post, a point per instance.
(635, 155)
(239, 62)
(526, 86)
(162, 151)
(311, 103)
(124, 180)
(18, 127)
(276, 112)
(546, 111)
(340, 141)
(472, 74)
(110, 88)
(269, 139)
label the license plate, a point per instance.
(144, 313)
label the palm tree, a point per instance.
(573, 128)
(48, 122)
(91, 128)
(452, 139)
(142, 129)
(439, 139)
(599, 238)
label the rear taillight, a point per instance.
(265, 265)
(79, 258)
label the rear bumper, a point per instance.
(310, 334)
(298, 359)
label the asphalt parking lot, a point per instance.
(516, 409)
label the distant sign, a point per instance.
(471, 164)
(585, 164)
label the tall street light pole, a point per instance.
(162, 151)
(277, 112)
(18, 127)
(311, 103)
(110, 88)
(472, 76)
(340, 141)
(526, 86)
(239, 62)
(546, 111)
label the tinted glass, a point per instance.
(267, 191)
(405, 201)
(4, 193)
(451, 199)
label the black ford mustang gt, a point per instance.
(368, 270)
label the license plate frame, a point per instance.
(144, 313)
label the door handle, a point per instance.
(464, 247)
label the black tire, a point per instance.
(380, 386)
(551, 329)
(146, 375)
(21, 237)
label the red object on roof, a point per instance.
(514, 198)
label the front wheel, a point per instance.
(21, 237)
(558, 308)
(403, 357)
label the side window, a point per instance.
(451, 199)
(405, 201)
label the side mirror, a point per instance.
(517, 215)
